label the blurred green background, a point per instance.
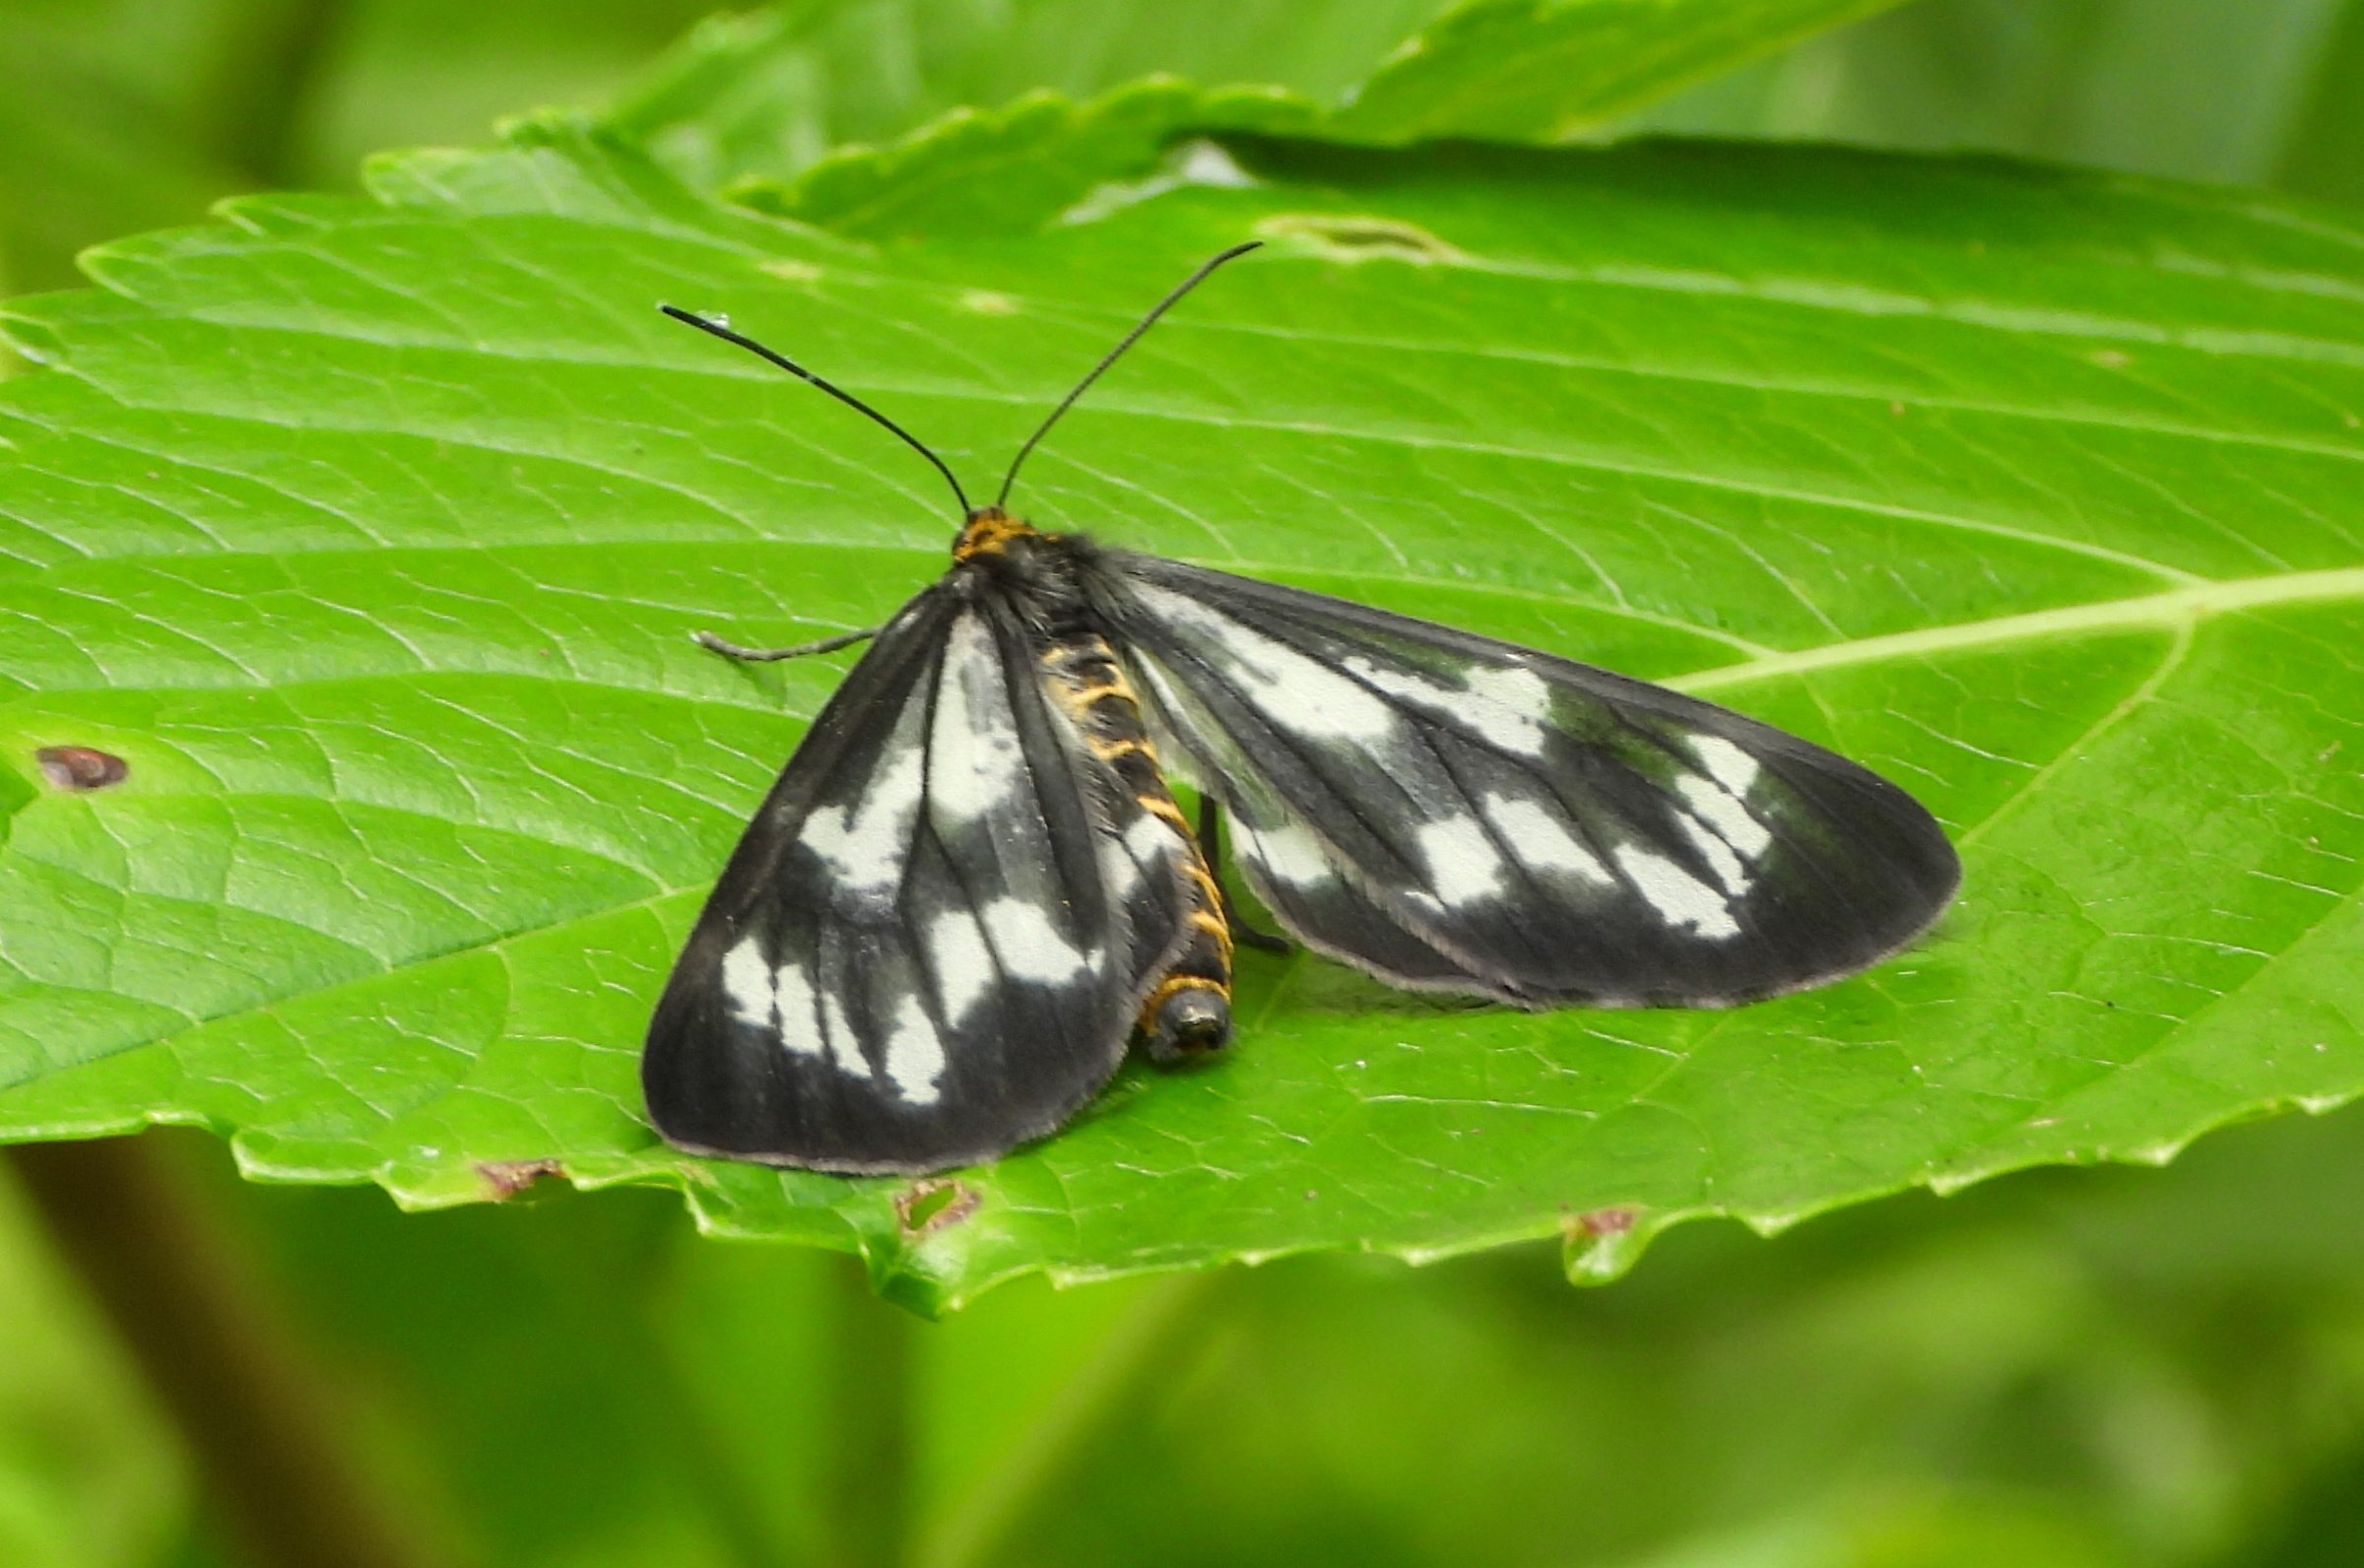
(119, 115)
(2073, 1368)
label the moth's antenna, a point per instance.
(838, 392)
(1111, 358)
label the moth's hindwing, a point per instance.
(930, 944)
(1461, 814)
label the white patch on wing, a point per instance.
(1718, 854)
(1681, 898)
(1536, 835)
(1127, 861)
(1512, 706)
(1725, 763)
(800, 1025)
(1120, 873)
(1150, 839)
(1721, 809)
(1415, 688)
(1463, 865)
(1028, 946)
(746, 985)
(867, 841)
(1287, 855)
(914, 1054)
(1296, 692)
(1502, 706)
(975, 767)
(844, 1051)
(965, 971)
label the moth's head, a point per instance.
(989, 531)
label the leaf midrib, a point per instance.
(2167, 610)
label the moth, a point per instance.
(971, 888)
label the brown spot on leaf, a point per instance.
(81, 768)
(1594, 1223)
(927, 1206)
(510, 1177)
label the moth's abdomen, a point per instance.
(1188, 1011)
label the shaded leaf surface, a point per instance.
(2188, 89)
(87, 1474)
(765, 97)
(368, 533)
(765, 94)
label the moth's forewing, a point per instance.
(927, 947)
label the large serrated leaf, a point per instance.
(368, 534)
(763, 99)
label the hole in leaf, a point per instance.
(928, 1207)
(510, 1177)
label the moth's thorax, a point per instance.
(1039, 576)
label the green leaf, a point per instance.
(765, 94)
(86, 154)
(1548, 70)
(2190, 89)
(2151, 1362)
(368, 533)
(485, 1330)
(1022, 166)
(87, 1473)
(760, 100)
(2088, 1368)
(2322, 152)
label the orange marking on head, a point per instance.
(988, 532)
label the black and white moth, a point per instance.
(971, 889)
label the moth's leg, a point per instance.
(1211, 844)
(732, 650)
